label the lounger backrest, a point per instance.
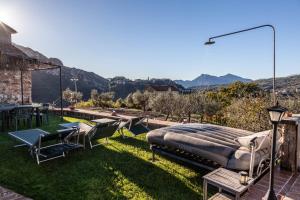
(136, 121)
(124, 124)
(59, 135)
(103, 131)
(67, 134)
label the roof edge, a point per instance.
(10, 29)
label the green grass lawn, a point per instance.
(119, 170)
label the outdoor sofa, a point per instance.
(211, 146)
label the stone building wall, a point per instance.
(10, 86)
(5, 37)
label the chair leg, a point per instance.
(122, 133)
(153, 156)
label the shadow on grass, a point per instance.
(100, 173)
(152, 180)
(132, 141)
(146, 146)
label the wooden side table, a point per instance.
(226, 180)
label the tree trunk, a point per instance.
(167, 117)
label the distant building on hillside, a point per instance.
(161, 88)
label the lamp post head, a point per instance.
(276, 113)
(209, 42)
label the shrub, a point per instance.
(120, 103)
(85, 104)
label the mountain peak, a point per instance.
(208, 80)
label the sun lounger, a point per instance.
(83, 129)
(93, 133)
(135, 126)
(101, 131)
(211, 146)
(45, 146)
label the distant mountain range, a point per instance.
(289, 84)
(45, 84)
(209, 80)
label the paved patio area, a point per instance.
(286, 185)
(294, 192)
(6, 194)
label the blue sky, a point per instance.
(159, 38)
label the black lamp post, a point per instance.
(211, 41)
(276, 113)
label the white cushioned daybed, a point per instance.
(224, 146)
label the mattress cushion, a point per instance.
(210, 150)
(220, 133)
(261, 140)
(216, 143)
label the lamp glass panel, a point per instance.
(281, 116)
(275, 116)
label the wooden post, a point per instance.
(22, 88)
(61, 93)
(289, 149)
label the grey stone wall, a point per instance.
(10, 86)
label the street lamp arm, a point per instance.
(245, 30)
(210, 42)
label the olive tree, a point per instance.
(129, 101)
(163, 103)
(71, 96)
(102, 99)
(141, 99)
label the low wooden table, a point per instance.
(226, 180)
